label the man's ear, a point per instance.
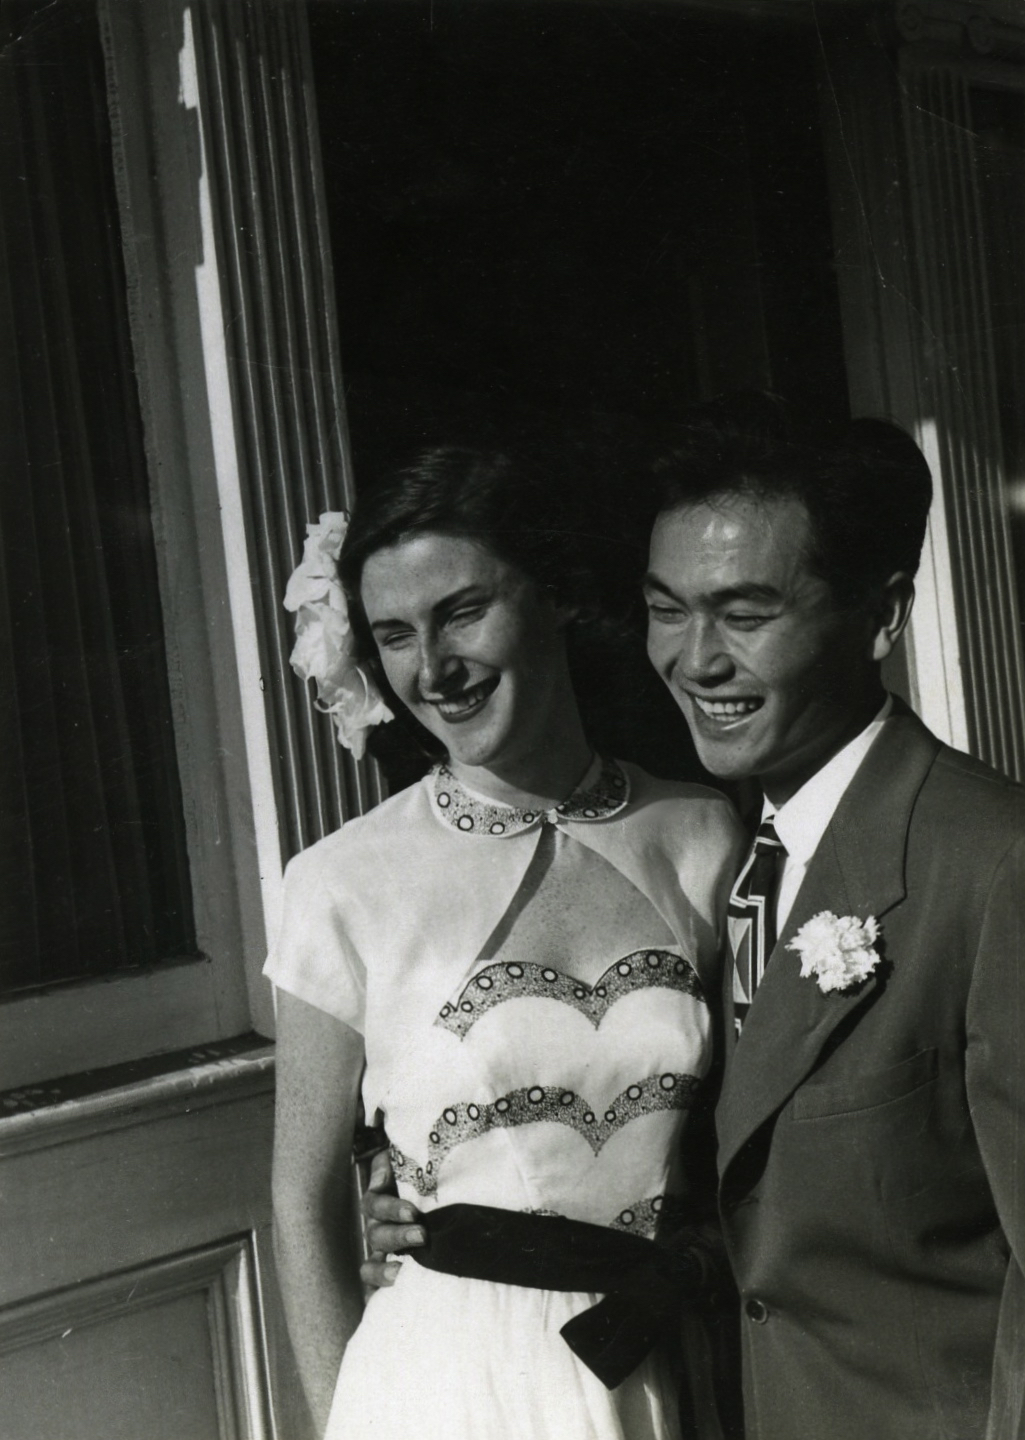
(892, 613)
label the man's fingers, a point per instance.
(382, 1177)
(378, 1273)
(390, 1225)
(388, 1209)
(389, 1238)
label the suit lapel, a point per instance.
(858, 869)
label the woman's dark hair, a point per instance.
(510, 503)
(532, 507)
(866, 486)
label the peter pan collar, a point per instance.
(595, 799)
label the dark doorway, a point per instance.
(590, 216)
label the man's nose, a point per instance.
(703, 657)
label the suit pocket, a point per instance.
(879, 1087)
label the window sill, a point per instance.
(76, 1107)
(92, 1025)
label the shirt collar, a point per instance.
(603, 792)
(802, 821)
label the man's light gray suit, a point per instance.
(872, 1144)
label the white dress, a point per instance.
(530, 991)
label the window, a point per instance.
(92, 839)
(131, 889)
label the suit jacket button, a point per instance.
(757, 1310)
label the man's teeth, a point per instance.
(726, 709)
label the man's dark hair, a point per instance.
(866, 486)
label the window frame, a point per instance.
(235, 341)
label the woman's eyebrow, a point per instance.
(445, 605)
(474, 591)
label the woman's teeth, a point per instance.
(465, 700)
(726, 709)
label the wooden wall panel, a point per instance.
(164, 1350)
(147, 1375)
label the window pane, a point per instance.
(93, 868)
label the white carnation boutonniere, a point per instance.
(839, 950)
(324, 641)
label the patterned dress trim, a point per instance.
(501, 982)
(456, 806)
(532, 1104)
(640, 1218)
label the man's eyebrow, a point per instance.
(764, 594)
(760, 594)
(652, 582)
(446, 603)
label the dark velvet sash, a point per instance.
(645, 1283)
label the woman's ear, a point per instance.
(892, 613)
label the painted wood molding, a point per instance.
(883, 347)
(960, 399)
(271, 352)
(913, 294)
(235, 331)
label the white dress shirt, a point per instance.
(803, 820)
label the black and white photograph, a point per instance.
(512, 720)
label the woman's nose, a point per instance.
(437, 665)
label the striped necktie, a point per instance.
(752, 916)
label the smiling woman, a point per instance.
(465, 578)
(474, 649)
(519, 947)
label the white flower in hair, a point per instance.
(837, 949)
(324, 642)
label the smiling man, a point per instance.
(769, 671)
(871, 1124)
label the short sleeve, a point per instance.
(313, 957)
